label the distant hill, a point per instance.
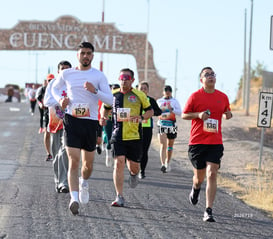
(255, 88)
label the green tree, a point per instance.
(257, 71)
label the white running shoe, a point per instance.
(103, 146)
(119, 202)
(108, 159)
(83, 192)
(168, 167)
(108, 162)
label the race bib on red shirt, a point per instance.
(211, 125)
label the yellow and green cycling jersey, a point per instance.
(124, 106)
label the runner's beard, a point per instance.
(86, 63)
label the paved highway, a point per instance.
(157, 208)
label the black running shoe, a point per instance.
(163, 169)
(74, 207)
(141, 175)
(98, 149)
(49, 157)
(64, 189)
(194, 196)
(208, 215)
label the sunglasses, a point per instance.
(124, 77)
(210, 74)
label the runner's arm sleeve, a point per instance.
(104, 92)
(157, 110)
(57, 86)
(49, 100)
(176, 107)
(146, 104)
(38, 94)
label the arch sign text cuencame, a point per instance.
(67, 32)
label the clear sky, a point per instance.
(203, 32)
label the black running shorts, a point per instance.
(99, 131)
(200, 154)
(171, 132)
(80, 133)
(132, 149)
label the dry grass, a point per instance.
(258, 194)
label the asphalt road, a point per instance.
(157, 208)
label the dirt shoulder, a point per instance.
(242, 141)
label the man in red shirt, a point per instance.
(205, 108)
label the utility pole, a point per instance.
(36, 67)
(245, 67)
(147, 44)
(102, 22)
(249, 62)
(175, 73)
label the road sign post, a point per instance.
(271, 34)
(264, 117)
(265, 109)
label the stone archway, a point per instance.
(67, 32)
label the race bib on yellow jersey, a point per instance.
(80, 110)
(123, 114)
(211, 125)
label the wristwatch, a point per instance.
(96, 91)
(208, 112)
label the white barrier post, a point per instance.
(264, 117)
